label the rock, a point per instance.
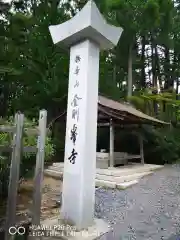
(58, 200)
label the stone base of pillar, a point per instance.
(57, 228)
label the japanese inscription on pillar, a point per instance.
(75, 111)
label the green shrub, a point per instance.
(162, 145)
(28, 160)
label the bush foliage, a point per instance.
(28, 160)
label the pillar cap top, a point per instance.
(86, 24)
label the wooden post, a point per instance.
(141, 148)
(14, 175)
(111, 144)
(39, 171)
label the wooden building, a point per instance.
(114, 114)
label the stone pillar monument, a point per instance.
(85, 34)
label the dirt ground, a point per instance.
(51, 191)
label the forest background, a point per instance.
(144, 69)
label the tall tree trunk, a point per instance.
(114, 75)
(154, 56)
(130, 71)
(177, 88)
(4, 96)
(154, 63)
(158, 73)
(174, 72)
(168, 79)
(148, 66)
(177, 92)
(143, 73)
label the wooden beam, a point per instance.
(111, 144)
(14, 175)
(111, 113)
(35, 131)
(39, 171)
(103, 124)
(130, 156)
(29, 131)
(120, 125)
(141, 148)
(28, 149)
(8, 129)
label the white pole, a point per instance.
(85, 35)
(81, 131)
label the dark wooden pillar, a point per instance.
(141, 148)
(111, 144)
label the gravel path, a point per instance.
(149, 210)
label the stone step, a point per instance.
(57, 169)
(99, 183)
(120, 179)
(109, 184)
(115, 171)
(53, 174)
(126, 184)
(117, 179)
(58, 173)
(103, 183)
(127, 171)
(61, 164)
